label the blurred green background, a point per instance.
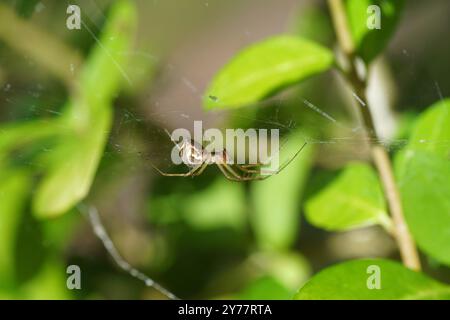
(63, 109)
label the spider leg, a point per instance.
(231, 171)
(244, 167)
(187, 174)
(201, 169)
(236, 177)
(250, 165)
(292, 159)
(226, 173)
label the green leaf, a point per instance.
(14, 188)
(72, 170)
(425, 190)
(370, 42)
(195, 209)
(228, 210)
(349, 281)
(353, 200)
(265, 288)
(432, 130)
(75, 160)
(423, 172)
(276, 201)
(105, 70)
(30, 251)
(48, 284)
(314, 24)
(58, 233)
(26, 7)
(289, 268)
(264, 68)
(16, 135)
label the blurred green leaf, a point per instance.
(75, 160)
(264, 68)
(221, 204)
(37, 44)
(432, 130)
(30, 250)
(141, 68)
(8, 295)
(16, 135)
(370, 42)
(48, 284)
(165, 209)
(104, 71)
(59, 232)
(265, 288)
(289, 268)
(26, 7)
(314, 24)
(425, 189)
(349, 280)
(277, 200)
(14, 188)
(73, 169)
(353, 200)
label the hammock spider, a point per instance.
(197, 159)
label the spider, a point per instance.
(197, 159)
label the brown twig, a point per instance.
(408, 250)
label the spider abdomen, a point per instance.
(191, 155)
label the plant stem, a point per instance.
(33, 42)
(380, 157)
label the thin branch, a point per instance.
(340, 22)
(408, 250)
(405, 241)
(101, 233)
